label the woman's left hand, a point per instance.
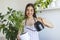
(45, 23)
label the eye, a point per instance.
(31, 10)
(27, 10)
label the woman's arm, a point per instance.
(18, 35)
(45, 23)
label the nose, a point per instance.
(29, 12)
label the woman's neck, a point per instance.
(30, 18)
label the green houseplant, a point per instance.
(11, 22)
(42, 4)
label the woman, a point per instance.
(30, 16)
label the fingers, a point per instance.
(18, 36)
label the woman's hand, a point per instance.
(45, 23)
(18, 36)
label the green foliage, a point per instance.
(11, 23)
(42, 4)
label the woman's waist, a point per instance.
(31, 29)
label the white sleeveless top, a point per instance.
(27, 27)
(32, 32)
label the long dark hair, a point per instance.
(32, 5)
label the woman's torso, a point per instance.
(30, 27)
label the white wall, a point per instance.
(15, 4)
(57, 3)
(54, 17)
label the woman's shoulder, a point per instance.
(39, 18)
(23, 22)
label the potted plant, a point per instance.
(42, 4)
(11, 22)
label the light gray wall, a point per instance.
(54, 17)
(15, 4)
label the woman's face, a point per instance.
(30, 11)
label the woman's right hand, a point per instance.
(18, 36)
